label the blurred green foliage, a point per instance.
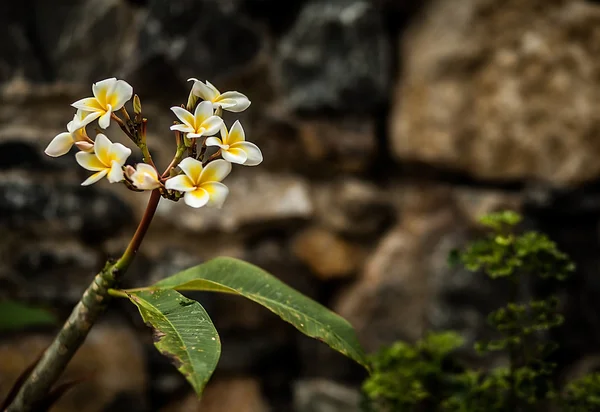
(429, 376)
(15, 316)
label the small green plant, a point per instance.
(427, 376)
(182, 329)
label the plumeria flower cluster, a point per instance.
(205, 146)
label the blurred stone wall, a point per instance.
(387, 126)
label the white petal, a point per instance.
(89, 161)
(253, 153)
(119, 153)
(145, 177)
(234, 155)
(89, 104)
(120, 94)
(86, 120)
(181, 183)
(184, 128)
(116, 173)
(217, 192)
(211, 125)
(203, 111)
(144, 181)
(102, 88)
(215, 171)
(236, 101)
(80, 115)
(102, 148)
(203, 91)
(236, 134)
(214, 141)
(147, 169)
(104, 120)
(223, 106)
(192, 169)
(84, 146)
(60, 145)
(183, 115)
(95, 177)
(195, 135)
(196, 198)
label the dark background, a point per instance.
(387, 126)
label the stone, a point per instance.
(314, 146)
(241, 394)
(353, 207)
(335, 58)
(105, 383)
(320, 395)
(255, 198)
(51, 41)
(67, 30)
(19, 58)
(407, 287)
(29, 203)
(500, 90)
(343, 145)
(196, 38)
(47, 271)
(328, 255)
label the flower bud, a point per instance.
(84, 146)
(137, 105)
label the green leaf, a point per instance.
(14, 315)
(182, 331)
(309, 317)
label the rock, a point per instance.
(232, 394)
(30, 203)
(353, 207)
(106, 383)
(320, 395)
(18, 55)
(326, 254)
(407, 287)
(314, 146)
(65, 32)
(47, 271)
(342, 145)
(501, 90)
(51, 41)
(335, 58)
(255, 198)
(196, 38)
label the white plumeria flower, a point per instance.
(144, 177)
(234, 147)
(201, 123)
(201, 185)
(62, 143)
(107, 160)
(110, 95)
(231, 101)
